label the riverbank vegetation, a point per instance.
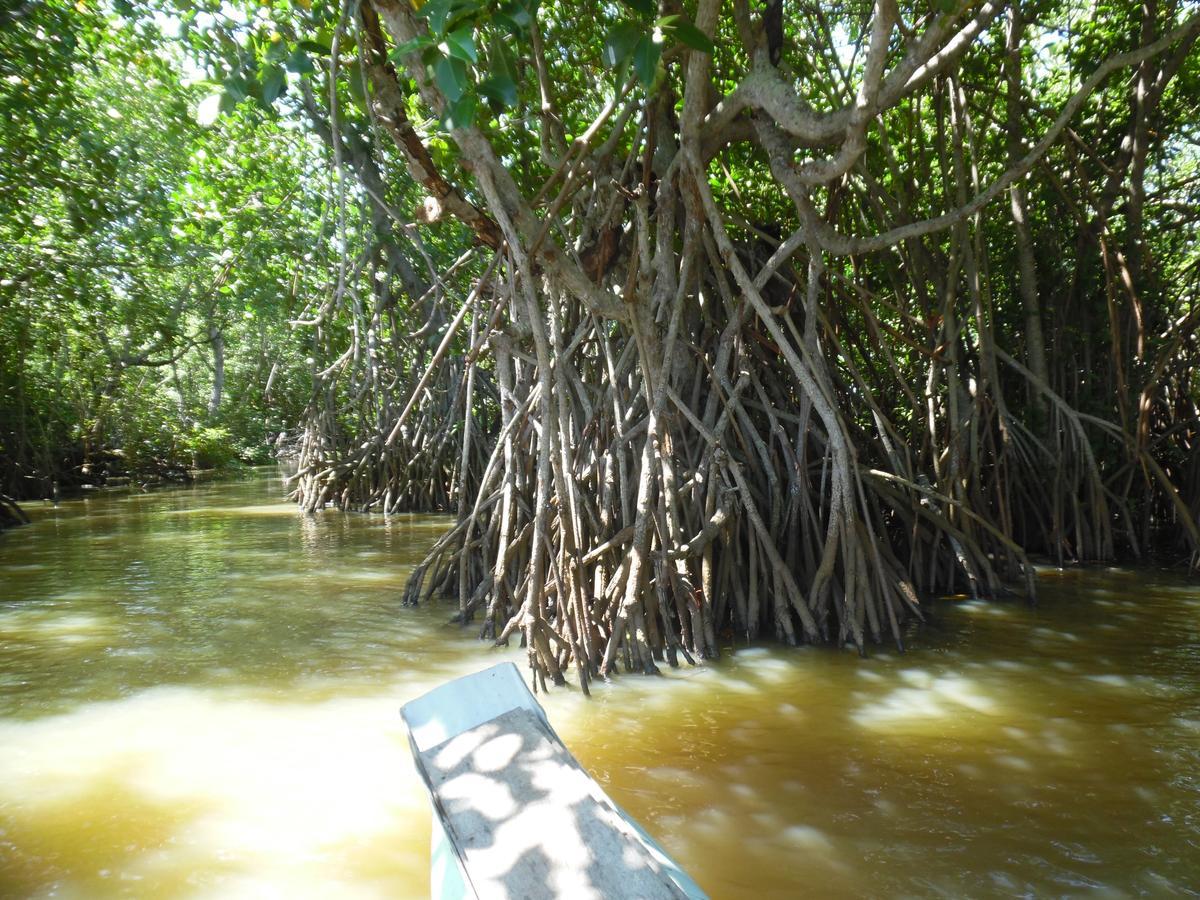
(757, 317)
(149, 261)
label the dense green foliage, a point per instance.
(137, 247)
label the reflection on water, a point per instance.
(198, 695)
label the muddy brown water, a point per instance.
(199, 693)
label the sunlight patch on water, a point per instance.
(676, 777)
(290, 510)
(712, 822)
(1051, 634)
(77, 597)
(984, 608)
(1008, 665)
(744, 791)
(1117, 681)
(47, 624)
(372, 576)
(1146, 794)
(930, 701)
(807, 837)
(278, 794)
(1016, 763)
(917, 677)
(774, 669)
(338, 574)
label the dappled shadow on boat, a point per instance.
(529, 821)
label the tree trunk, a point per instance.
(216, 340)
(1035, 342)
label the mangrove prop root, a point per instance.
(706, 431)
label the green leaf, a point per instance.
(500, 90)
(645, 7)
(501, 61)
(316, 47)
(420, 42)
(514, 18)
(500, 87)
(509, 24)
(687, 33)
(460, 114)
(355, 80)
(273, 84)
(277, 49)
(437, 14)
(237, 87)
(645, 59)
(620, 43)
(461, 44)
(300, 63)
(463, 9)
(451, 77)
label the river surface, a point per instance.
(199, 693)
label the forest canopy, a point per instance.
(769, 318)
